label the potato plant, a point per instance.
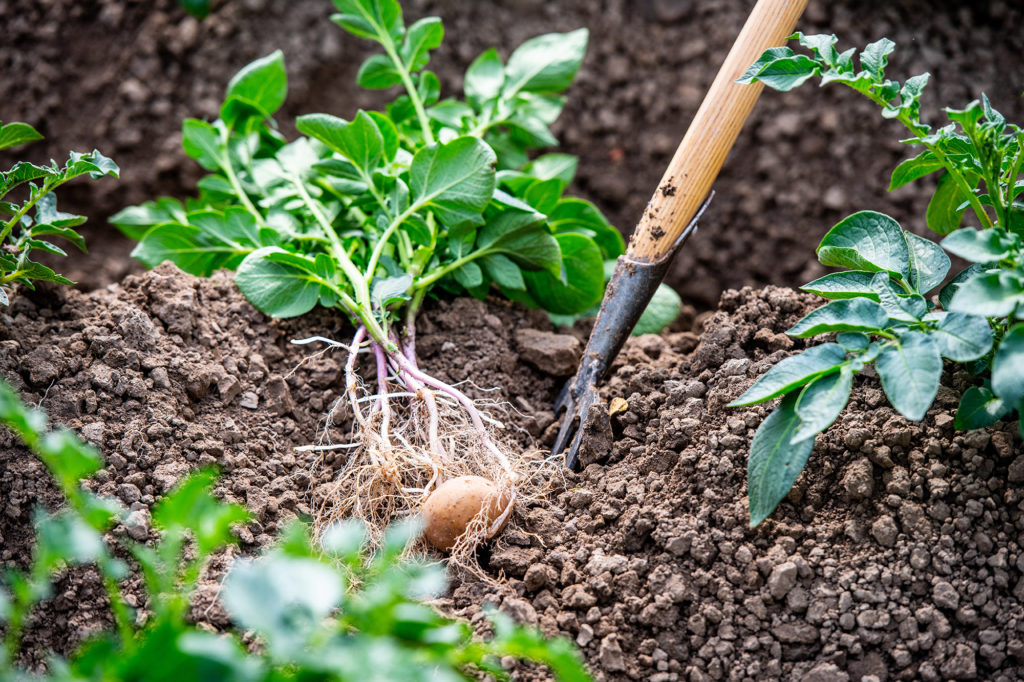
(28, 225)
(321, 611)
(372, 215)
(880, 312)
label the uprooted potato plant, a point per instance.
(374, 215)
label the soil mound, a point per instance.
(897, 556)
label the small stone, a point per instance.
(93, 433)
(610, 654)
(782, 579)
(945, 595)
(825, 672)
(585, 636)
(884, 531)
(539, 576)
(249, 401)
(1016, 470)
(960, 666)
(137, 525)
(795, 633)
(858, 479)
(279, 397)
(555, 354)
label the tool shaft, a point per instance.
(712, 132)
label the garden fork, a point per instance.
(672, 213)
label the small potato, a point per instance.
(453, 504)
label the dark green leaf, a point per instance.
(867, 240)
(388, 290)
(979, 246)
(775, 461)
(275, 288)
(13, 134)
(822, 45)
(378, 73)
(910, 369)
(912, 169)
(469, 275)
(549, 166)
(963, 337)
(583, 282)
(572, 214)
(22, 172)
(875, 56)
(135, 221)
(929, 265)
(1008, 367)
(821, 401)
(183, 246)
(371, 19)
(850, 315)
(792, 372)
(896, 303)
(853, 341)
(990, 294)
(503, 271)
(203, 143)
(546, 63)
(780, 69)
(946, 208)
(360, 141)
(484, 78)
(261, 85)
(947, 292)
(423, 36)
(523, 237)
(456, 180)
(93, 164)
(846, 284)
(979, 408)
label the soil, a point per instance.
(897, 556)
(121, 76)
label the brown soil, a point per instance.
(121, 76)
(898, 555)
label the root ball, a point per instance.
(456, 502)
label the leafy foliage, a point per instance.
(880, 310)
(428, 192)
(321, 612)
(28, 225)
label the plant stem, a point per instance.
(410, 87)
(236, 186)
(16, 218)
(434, 275)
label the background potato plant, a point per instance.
(880, 312)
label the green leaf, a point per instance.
(947, 292)
(261, 86)
(67, 457)
(867, 240)
(422, 37)
(93, 164)
(378, 73)
(66, 538)
(371, 19)
(989, 294)
(135, 221)
(780, 69)
(203, 143)
(572, 214)
(853, 341)
(946, 209)
(929, 265)
(963, 338)
(456, 180)
(551, 166)
(897, 304)
(822, 45)
(848, 315)
(775, 460)
(979, 408)
(846, 284)
(793, 372)
(23, 172)
(505, 273)
(583, 282)
(469, 276)
(547, 63)
(277, 288)
(875, 56)
(388, 290)
(360, 141)
(13, 134)
(1008, 367)
(283, 598)
(979, 246)
(191, 506)
(913, 169)
(662, 310)
(183, 246)
(484, 78)
(821, 401)
(910, 369)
